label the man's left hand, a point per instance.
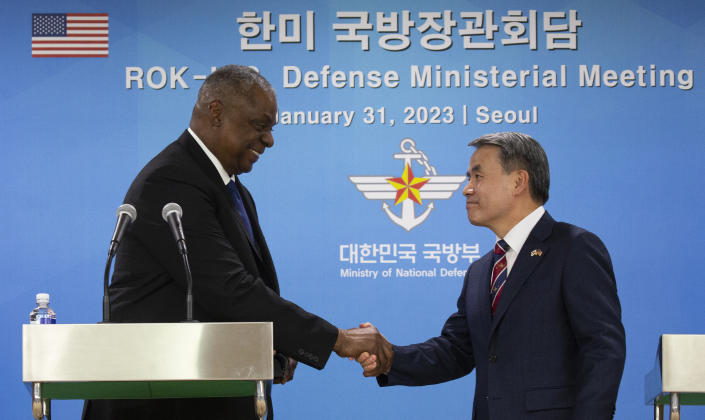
(288, 374)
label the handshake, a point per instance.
(368, 346)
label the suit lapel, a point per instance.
(212, 173)
(193, 149)
(262, 251)
(527, 261)
(478, 294)
(260, 260)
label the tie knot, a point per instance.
(501, 247)
(234, 193)
(231, 186)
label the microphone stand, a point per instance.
(189, 289)
(171, 213)
(106, 300)
(126, 214)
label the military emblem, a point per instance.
(408, 189)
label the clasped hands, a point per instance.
(368, 346)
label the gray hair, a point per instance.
(520, 151)
(231, 81)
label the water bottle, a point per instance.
(42, 314)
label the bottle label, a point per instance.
(43, 319)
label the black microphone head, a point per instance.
(171, 208)
(128, 210)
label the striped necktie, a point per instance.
(499, 272)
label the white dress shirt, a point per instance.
(517, 235)
(219, 166)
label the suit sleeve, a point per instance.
(590, 296)
(439, 359)
(223, 288)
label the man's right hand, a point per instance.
(366, 342)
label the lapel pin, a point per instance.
(536, 253)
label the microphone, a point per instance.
(126, 214)
(171, 213)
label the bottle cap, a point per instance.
(42, 297)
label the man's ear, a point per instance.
(521, 181)
(215, 113)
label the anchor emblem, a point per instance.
(408, 189)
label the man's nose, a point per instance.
(268, 139)
(468, 189)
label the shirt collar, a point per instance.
(219, 166)
(520, 232)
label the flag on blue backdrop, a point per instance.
(69, 35)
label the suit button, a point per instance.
(493, 358)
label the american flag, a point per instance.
(69, 35)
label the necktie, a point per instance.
(499, 272)
(240, 208)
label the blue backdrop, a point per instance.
(610, 89)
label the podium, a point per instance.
(165, 360)
(678, 377)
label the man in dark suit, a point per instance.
(538, 317)
(233, 273)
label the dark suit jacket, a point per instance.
(555, 347)
(233, 280)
